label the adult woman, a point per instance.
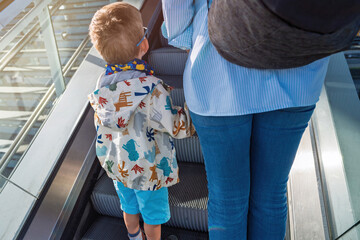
(249, 123)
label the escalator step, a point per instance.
(188, 201)
(106, 228)
(110, 228)
(168, 61)
(104, 198)
(175, 81)
(188, 150)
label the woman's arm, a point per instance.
(177, 27)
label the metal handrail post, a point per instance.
(52, 51)
(44, 101)
(23, 41)
(75, 55)
(21, 25)
(26, 128)
(17, 47)
(34, 116)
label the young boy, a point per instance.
(134, 118)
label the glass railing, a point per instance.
(350, 234)
(337, 133)
(40, 49)
(47, 68)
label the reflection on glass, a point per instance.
(44, 38)
(342, 90)
(353, 233)
(27, 93)
(2, 181)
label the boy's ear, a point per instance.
(144, 46)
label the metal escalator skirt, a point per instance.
(194, 219)
(106, 228)
(104, 198)
(188, 201)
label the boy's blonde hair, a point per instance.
(115, 30)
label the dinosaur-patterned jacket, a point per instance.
(135, 122)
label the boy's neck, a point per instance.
(140, 55)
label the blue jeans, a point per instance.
(248, 160)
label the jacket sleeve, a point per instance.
(165, 117)
(177, 26)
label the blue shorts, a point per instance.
(153, 205)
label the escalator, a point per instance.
(95, 211)
(78, 200)
(101, 217)
(188, 199)
(91, 208)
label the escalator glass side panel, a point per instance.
(337, 132)
(354, 233)
(46, 148)
(40, 50)
(42, 94)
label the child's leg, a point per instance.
(131, 222)
(130, 207)
(155, 210)
(153, 232)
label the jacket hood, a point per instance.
(114, 104)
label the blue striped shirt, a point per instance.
(216, 87)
